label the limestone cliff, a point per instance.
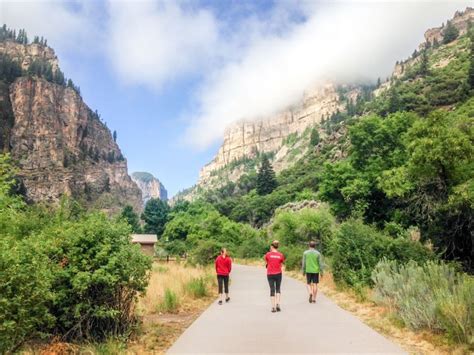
(60, 145)
(247, 139)
(150, 186)
(460, 20)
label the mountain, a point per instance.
(60, 145)
(150, 186)
(285, 136)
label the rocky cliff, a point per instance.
(150, 186)
(245, 140)
(460, 20)
(60, 145)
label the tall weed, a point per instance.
(196, 287)
(170, 302)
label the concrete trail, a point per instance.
(245, 325)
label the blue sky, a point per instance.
(169, 76)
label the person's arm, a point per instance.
(230, 265)
(215, 263)
(303, 264)
(321, 265)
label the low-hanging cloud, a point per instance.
(341, 42)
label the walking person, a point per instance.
(274, 260)
(312, 267)
(223, 269)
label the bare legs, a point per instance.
(314, 287)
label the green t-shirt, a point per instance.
(312, 263)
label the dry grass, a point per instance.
(161, 329)
(381, 319)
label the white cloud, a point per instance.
(154, 42)
(343, 41)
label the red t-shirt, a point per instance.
(223, 265)
(274, 260)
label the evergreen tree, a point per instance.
(450, 33)
(314, 139)
(266, 181)
(424, 67)
(132, 218)
(155, 216)
(115, 136)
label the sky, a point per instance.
(170, 76)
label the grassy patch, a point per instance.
(196, 287)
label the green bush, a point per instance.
(293, 257)
(170, 302)
(358, 248)
(25, 290)
(433, 295)
(97, 276)
(298, 228)
(205, 252)
(196, 287)
(253, 247)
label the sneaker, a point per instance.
(278, 308)
(219, 303)
(273, 310)
(227, 299)
(314, 301)
(310, 298)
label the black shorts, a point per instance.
(312, 278)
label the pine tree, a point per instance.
(115, 136)
(314, 139)
(424, 67)
(266, 181)
(450, 33)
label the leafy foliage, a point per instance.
(357, 248)
(155, 216)
(131, 217)
(64, 271)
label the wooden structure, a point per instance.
(146, 241)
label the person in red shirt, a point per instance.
(274, 259)
(223, 269)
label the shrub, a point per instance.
(97, 276)
(205, 252)
(432, 295)
(170, 301)
(293, 257)
(196, 287)
(25, 293)
(253, 247)
(358, 248)
(298, 228)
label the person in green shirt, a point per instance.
(312, 266)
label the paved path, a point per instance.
(246, 325)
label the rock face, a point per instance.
(246, 139)
(150, 186)
(60, 145)
(460, 21)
